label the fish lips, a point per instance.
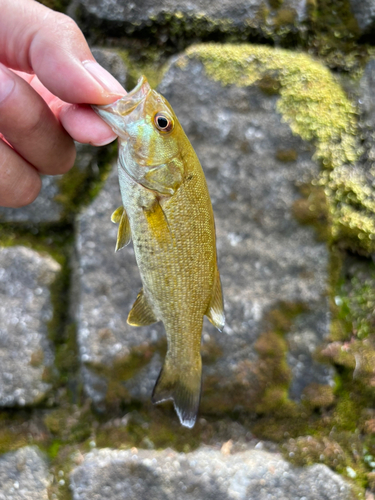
(116, 113)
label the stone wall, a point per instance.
(276, 98)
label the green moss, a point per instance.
(20, 427)
(123, 369)
(286, 155)
(10, 440)
(313, 209)
(44, 238)
(200, 25)
(62, 460)
(150, 62)
(336, 16)
(269, 85)
(69, 423)
(355, 298)
(318, 395)
(284, 17)
(334, 29)
(333, 35)
(37, 358)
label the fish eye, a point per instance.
(163, 122)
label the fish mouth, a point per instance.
(114, 113)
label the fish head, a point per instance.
(150, 137)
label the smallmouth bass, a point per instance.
(167, 212)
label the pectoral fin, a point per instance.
(215, 311)
(141, 313)
(117, 214)
(123, 235)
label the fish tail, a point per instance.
(182, 383)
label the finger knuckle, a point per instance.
(66, 23)
(27, 193)
(68, 159)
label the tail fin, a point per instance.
(182, 384)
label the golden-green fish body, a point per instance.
(168, 214)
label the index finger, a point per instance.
(36, 39)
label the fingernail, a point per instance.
(6, 83)
(104, 142)
(106, 80)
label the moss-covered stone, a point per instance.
(123, 369)
(317, 109)
(83, 182)
(259, 386)
(152, 64)
(318, 395)
(313, 209)
(311, 101)
(286, 155)
(269, 85)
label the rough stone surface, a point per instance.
(112, 62)
(266, 257)
(367, 107)
(108, 284)
(364, 12)
(206, 473)
(25, 309)
(24, 475)
(221, 16)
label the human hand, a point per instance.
(42, 97)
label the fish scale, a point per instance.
(168, 213)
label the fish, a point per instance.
(167, 212)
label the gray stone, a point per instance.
(206, 473)
(364, 12)
(24, 475)
(192, 18)
(25, 309)
(112, 62)
(108, 284)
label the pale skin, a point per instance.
(48, 77)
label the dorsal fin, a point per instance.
(215, 311)
(123, 234)
(141, 313)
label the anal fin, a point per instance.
(215, 311)
(123, 234)
(141, 313)
(182, 383)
